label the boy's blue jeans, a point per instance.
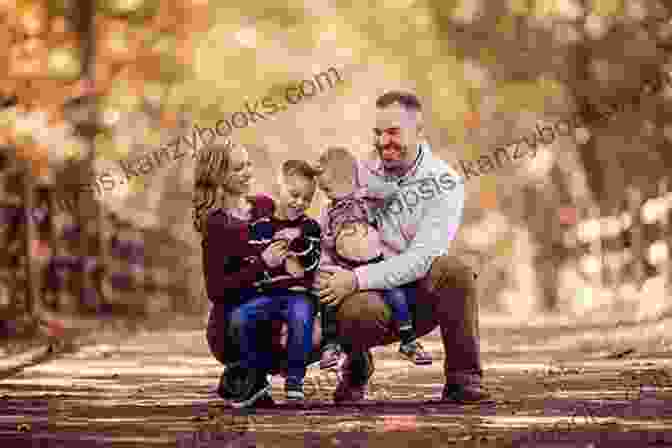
(297, 309)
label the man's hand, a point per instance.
(275, 253)
(293, 267)
(340, 284)
(289, 233)
(322, 279)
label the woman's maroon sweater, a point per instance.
(232, 265)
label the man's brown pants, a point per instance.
(446, 297)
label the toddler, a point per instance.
(351, 239)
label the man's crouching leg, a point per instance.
(448, 292)
(363, 322)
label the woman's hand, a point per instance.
(275, 253)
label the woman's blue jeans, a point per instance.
(297, 309)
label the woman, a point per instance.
(222, 213)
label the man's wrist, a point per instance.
(355, 281)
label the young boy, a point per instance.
(287, 288)
(350, 239)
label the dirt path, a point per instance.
(158, 390)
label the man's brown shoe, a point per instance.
(356, 371)
(464, 393)
(331, 355)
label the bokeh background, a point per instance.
(578, 232)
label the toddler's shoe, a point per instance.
(415, 353)
(331, 354)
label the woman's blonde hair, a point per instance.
(213, 163)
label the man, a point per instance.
(423, 210)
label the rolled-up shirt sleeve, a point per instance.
(435, 231)
(326, 260)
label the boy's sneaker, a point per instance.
(294, 390)
(331, 355)
(414, 352)
(233, 382)
(261, 389)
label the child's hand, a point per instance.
(287, 234)
(275, 254)
(293, 267)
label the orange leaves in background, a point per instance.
(185, 49)
(169, 119)
(472, 120)
(29, 36)
(194, 14)
(48, 94)
(102, 76)
(168, 16)
(134, 78)
(487, 199)
(5, 135)
(37, 157)
(32, 17)
(8, 87)
(28, 58)
(115, 42)
(60, 32)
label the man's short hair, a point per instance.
(298, 168)
(340, 160)
(406, 99)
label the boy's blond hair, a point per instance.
(295, 167)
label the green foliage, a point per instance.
(514, 96)
(443, 10)
(106, 149)
(506, 26)
(178, 96)
(60, 7)
(64, 63)
(286, 14)
(545, 8)
(121, 97)
(613, 8)
(132, 10)
(520, 7)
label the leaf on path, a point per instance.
(621, 354)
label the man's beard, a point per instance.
(237, 189)
(395, 157)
